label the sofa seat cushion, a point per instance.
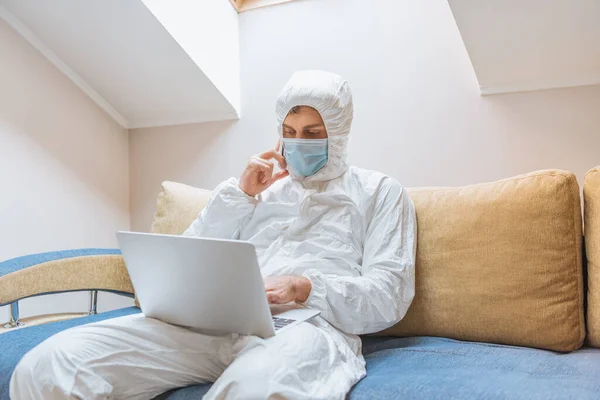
(431, 368)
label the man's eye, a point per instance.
(314, 133)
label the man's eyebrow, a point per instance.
(314, 126)
(287, 126)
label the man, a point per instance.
(335, 238)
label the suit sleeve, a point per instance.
(228, 209)
(381, 295)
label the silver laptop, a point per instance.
(211, 285)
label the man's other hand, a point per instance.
(258, 175)
(285, 289)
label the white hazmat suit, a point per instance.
(350, 231)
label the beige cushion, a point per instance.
(500, 262)
(177, 207)
(497, 262)
(591, 196)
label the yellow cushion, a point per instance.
(496, 262)
(177, 207)
(591, 196)
(500, 262)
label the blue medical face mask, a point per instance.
(305, 156)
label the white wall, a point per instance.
(63, 169)
(418, 113)
(208, 31)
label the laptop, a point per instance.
(210, 285)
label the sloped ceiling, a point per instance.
(123, 58)
(520, 45)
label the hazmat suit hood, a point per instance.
(330, 95)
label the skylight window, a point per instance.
(245, 5)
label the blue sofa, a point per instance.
(397, 368)
(540, 304)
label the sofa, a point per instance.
(506, 304)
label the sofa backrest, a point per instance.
(497, 262)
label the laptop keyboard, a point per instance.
(281, 322)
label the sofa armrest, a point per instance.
(63, 271)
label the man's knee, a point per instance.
(23, 383)
(35, 375)
(280, 367)
(53, 368)
(252, 377)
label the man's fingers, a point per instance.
(263, 166)
(280, 159)
(276, 148)
(275, 295)
(272, 298)
(267, 155)
(279, 175)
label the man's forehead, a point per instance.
(310, 117)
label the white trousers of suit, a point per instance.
(134, 357)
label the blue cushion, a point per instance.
(437, 368)
(194, 392)
(428, 368)
(408, 368)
